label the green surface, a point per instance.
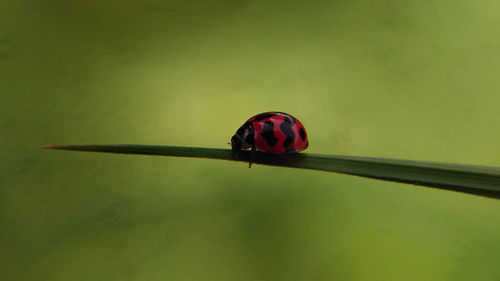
(394, 79)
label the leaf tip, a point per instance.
(48, 146)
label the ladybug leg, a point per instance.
(252, 156)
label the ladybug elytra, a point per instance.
(271, 132)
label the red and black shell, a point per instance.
(272, 132)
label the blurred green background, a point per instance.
(400, 79)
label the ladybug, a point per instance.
(271, 132)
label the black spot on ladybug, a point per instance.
(264, 116)
(267, 133)
(302, 134)
(286, 128)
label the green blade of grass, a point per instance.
(478, 180)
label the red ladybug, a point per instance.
(272, 132)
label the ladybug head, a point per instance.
(243, 138)
(236, 142)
